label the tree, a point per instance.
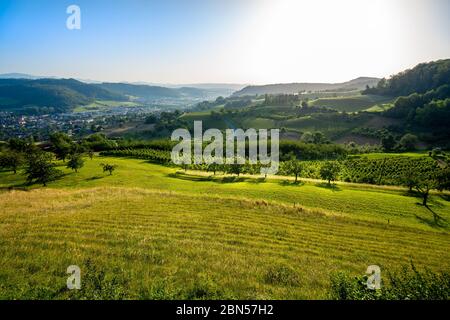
(408, 142)
(108, 167)
(443, 179)
(319, 137)
(11, 160)
(330, 170)
(388, 142)
(213, 167)
(307, 137)
(62, 145)
(294, 167)
(40, 168)
(19, 145)
(235, 168)
(75, 162)
(409, 178)
(151, 119)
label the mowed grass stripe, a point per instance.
(233, 249)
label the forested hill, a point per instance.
(420, 79)
(50, 95)
(423, 101)
(149, 93)
(294, 88)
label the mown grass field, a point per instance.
(153, 232)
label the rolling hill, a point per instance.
(294, 88)
(27, 94)
(49, 95)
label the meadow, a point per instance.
(156, 232)
(350, 104)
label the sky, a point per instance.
(222, 41)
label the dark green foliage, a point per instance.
(153, 155)
(388, 142)
(75, 162)
(108, 167)
(330, 170)
(406, 284)
(98, 142)
(408, 142)
(20, 145)
(11, 160)
(151, 119)
(51, 95)
(404, 107)
(292, 167)
(62, 145)
(40, 168)
(434, 114)
(311, 151)
(235, 168)
(420, 79)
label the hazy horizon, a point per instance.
(227, 42)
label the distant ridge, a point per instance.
(293, 88)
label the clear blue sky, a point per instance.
(239, 41)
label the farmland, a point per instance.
(351, 103)
(151, 231)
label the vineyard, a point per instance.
(152, 155)
(385, 171)
(358, 169)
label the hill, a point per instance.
(350, 104)
(143, 92)
(26, 94)
(294, 88)
(420, 79)
(49, 95)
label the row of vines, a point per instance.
(386, 171)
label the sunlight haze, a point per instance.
(266, 41)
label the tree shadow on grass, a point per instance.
(94, 178)
(211, 178)
(17, 187)
(333, 187)
(445, 197)
(434, 220)
(411, 193)
(286, 183)
(257, 180)
(232, 179)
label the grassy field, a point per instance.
(150, 231)
(104, 105)
(350, 104)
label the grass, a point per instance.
(382, 155)
(350, 104)
(104, 105)
(152, 232)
